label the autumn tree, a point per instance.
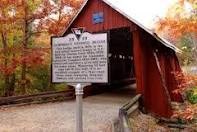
(8, 33)
(21, 22)
(180, 19)
(180, 27)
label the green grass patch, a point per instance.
(192, 95)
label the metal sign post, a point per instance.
(79, 107)
(80, 57)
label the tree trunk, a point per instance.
(25, 41)
(6, 86)
(6, 80)
(50, 84)
(12, 84)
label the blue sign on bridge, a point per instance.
(98, 17)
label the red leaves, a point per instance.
(72, 3)
(185, 81)
(57, 15)
(30, 16)
(32, 58)
(8, 70)
(58, 26)
(189, 111)
(4, 3)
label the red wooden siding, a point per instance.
(138, 61)
(148, 78)
(155, 97)
(112, 19)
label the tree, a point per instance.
(21, 22)
(8, 34)
(180, 19)
(180, 27)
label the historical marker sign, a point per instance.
(80, 60)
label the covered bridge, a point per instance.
(147, 57)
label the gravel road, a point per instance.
(99, 114)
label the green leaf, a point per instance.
(192, 95)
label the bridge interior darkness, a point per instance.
(121, 66)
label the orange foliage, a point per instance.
(185, 81)
(178, 21)
(31, 57)
(72, 3)
(189, 111)
(21, 23)
(56, 26)
(176, 28)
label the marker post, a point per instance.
(79, 107)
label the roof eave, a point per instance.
(167, 43)
(155, 35)
(163, 41)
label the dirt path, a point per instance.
(99, 114)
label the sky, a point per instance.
(144, 11)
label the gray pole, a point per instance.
(79, 106)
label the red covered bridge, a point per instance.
(149, 58)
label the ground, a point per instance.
(100, 113)
(146, 123)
